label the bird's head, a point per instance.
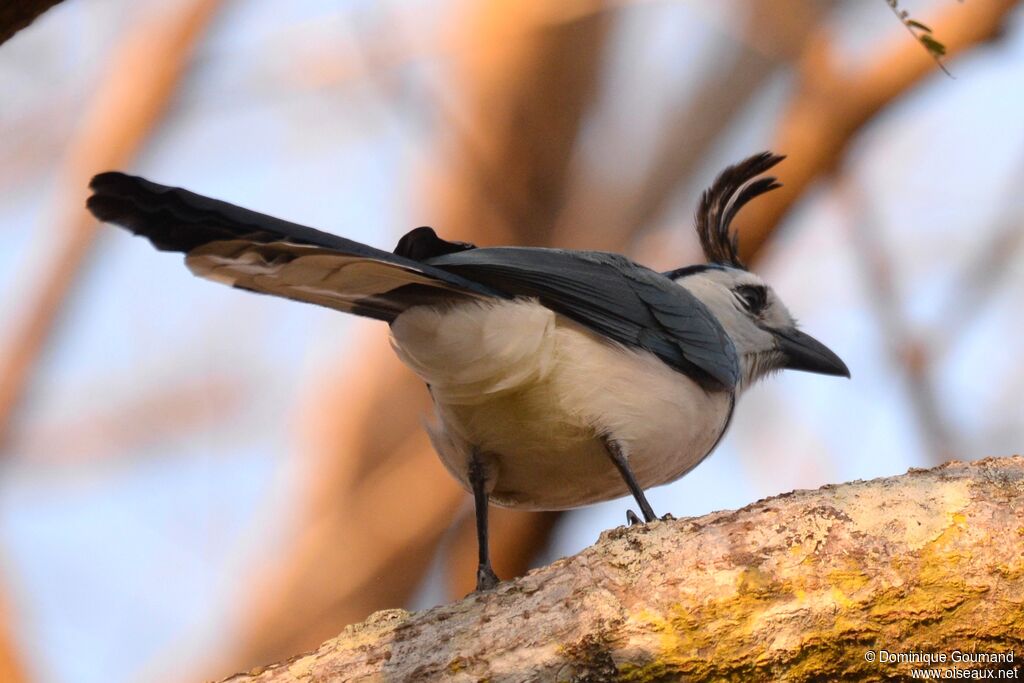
(762, 329)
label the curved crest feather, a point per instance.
(732, 189)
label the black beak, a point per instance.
(804, 352)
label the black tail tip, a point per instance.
(107, 180)
(110, 192)
(104, 208)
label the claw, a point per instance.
(486, 579)
(631, 518)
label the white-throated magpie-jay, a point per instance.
(559, 377)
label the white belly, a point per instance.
(534, 393)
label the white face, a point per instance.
(749, 311)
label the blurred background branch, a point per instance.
(910, 350)
(832, 101)
(11, 668)
(144, 70)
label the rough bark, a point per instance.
(797, 587)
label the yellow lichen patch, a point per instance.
(688, 640)
(724, 631)
(695, 638)
(839, 580)
(754, 582)
(829, 592)
(938, 585)
(711, 640)
(849, 581)
(1012, 571)
(844, 584)
(671, 641)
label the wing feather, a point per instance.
(607, 293)
(613, 296)
(260, 253)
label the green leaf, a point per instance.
(932, 45)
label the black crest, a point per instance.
(734, 187)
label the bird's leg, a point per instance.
(622, 465)
(485, 576)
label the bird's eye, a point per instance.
(753, 297)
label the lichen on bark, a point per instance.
(796, 587)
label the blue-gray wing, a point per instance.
(613, 296)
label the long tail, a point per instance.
(260, 253)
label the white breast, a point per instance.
(534, 392)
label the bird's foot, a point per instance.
(486, 579)
(632, 518)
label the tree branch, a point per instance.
(12, 668)
(799, 587)
(831, 104)
(122, 113)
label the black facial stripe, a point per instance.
(754, 298)
(687, 271)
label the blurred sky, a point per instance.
(125, 547)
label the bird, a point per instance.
(559, 377)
